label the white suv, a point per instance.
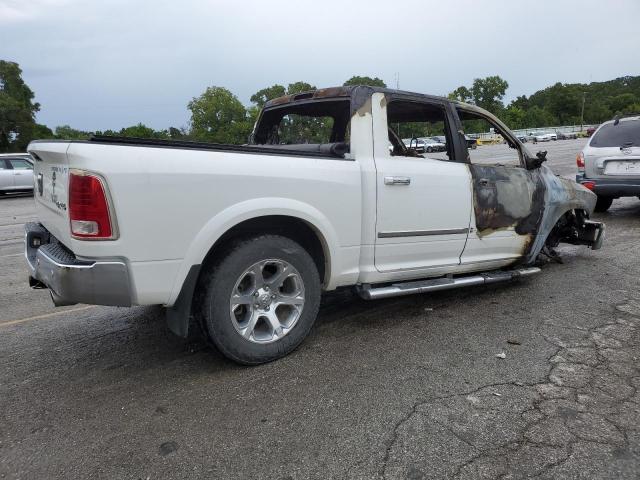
(609, 164)
(16, 172)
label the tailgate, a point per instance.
(51, 171)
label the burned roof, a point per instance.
(345, 92)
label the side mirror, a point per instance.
(541, 157)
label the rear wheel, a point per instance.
(261, 299)
(603, 203)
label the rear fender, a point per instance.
(238, 213)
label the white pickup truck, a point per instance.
(242, 240)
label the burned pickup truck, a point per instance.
(243, 240)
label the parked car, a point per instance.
(542, 137)
(416, 144)
(16, 173)
(523, 138)
(591, 131)
(243, 239)
(609, 164)
(566, 136)
(432, 144)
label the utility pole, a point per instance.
(584, 94)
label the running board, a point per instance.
(446, 283)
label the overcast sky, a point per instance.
(98, 64)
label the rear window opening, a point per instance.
(625, 134)
(304, 125)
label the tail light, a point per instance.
(589, 185)
(580, 161)
(89, 212)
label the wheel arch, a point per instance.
(296, 220)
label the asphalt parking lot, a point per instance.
(400, 388)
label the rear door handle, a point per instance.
(397, 181)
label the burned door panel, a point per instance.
(507, 197)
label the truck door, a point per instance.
(508, 199)
(424, 200)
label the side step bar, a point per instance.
(446, 283)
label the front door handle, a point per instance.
(397, 181)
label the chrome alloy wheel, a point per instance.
(267, 301)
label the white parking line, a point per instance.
(46, 315)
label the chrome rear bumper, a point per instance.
(72, 280)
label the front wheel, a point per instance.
(260, 299)
(603, 203)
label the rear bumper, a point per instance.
(613, 187)
(72, 280)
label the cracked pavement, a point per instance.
(406, 388)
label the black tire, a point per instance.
(603, 203)
(429, 150)
(218, 283)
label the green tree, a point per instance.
(178, 133)
(17, 109)
(65, 132)
(515, 117)
(538, 117)
(218, 116)
(41, 132)
(269, 93)
(138, 131)
(462, 94)
(521, 102)
(621, 102)
(299, 87)
(372, 82)
(488, 93)
(633, 108)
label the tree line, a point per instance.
(559, 104)
(218, 116)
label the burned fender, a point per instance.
(529, 201)
(563, 196)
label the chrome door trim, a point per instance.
(423, 233)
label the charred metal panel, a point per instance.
(332, 92)
(500, 201)
(561, 196)
(529, 201)
(361, 96)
